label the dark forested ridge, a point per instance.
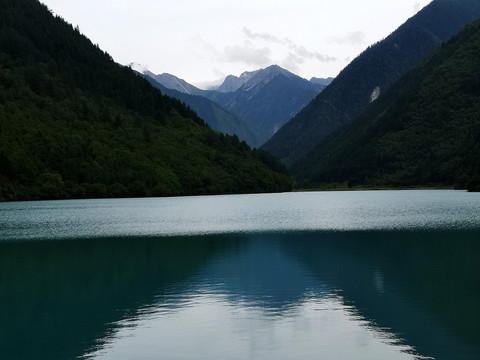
(75, 124)
(369, 75)
(424, 131)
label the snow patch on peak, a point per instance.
(172, 82)
(249, 79)
(168, 80)
(264, 76)
(247, 75)
(233, 83)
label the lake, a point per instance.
(318, 275)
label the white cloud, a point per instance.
(353, 38)
(304, 53)
(291, 62)
(263, 36)
(417, 6)
(247, 54)
(295, 54)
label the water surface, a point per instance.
(339, 211)
(347, 275)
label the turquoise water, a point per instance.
(340, 275)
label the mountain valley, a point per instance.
(263, 100)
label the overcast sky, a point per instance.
(205, 40)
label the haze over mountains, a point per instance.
(263, 100)
(369, 75)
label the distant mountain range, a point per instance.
(253, 105)
(233, 83)
(265, 98)
(214, 115)
(167, 80)
(424, 130)
(369, 75)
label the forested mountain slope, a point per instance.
(369, 75)
(75, 124)
(216, 116)
(424, 131)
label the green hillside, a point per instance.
(75, 124)
(215, 116)
(425, 131)
(371, 73)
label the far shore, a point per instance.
(337, 187)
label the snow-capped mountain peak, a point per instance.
(264, 76)
(250, 79)
(168, 80)
(172, 82)
(233, 83)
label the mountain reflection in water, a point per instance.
(404, 294)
